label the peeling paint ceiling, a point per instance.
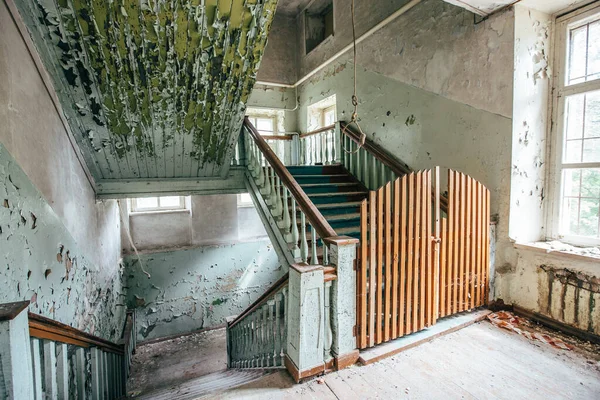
(485, 7)
(152, 88)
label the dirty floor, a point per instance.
(478, 362)
(167, 363)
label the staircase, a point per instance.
(335, 192)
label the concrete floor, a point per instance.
(478, 362)
(170, 362)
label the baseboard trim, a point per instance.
(556, 325)
(299, 376)
(346, 360)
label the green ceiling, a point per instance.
(152, 88)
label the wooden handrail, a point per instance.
(313, 215)
(317, 131)
(46, 328)
(398, 167)
(262, 299)
(286, 137)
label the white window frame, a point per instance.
(561, 91)
(254, 117)
(135, 209)
(325, 111)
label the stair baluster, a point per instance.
(278, 210)
(295, 233)
(303, 242)
(324, 157)
(313, 245)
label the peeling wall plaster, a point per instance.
(561, 288)
(152, 89)
(44, 264)
(198, 288)
(530, 124)
(279, 63)
(33, 133)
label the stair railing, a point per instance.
(286, 199)
(257, 337)
(305, 321)
(50, 360)
(320, 147)
(372, 164)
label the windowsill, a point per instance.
(558, 249)
(159, 212)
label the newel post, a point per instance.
(342, 254)
(306, 320)
(15, 351)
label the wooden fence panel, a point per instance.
(415, 267)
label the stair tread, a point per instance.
(330, 194)
(309, 185)
(338, 217)
(338, 205)
(319, 175)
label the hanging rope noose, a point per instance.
(354, 117)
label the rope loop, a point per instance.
(354, 116)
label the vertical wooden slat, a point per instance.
(363, 275)
(467, 277)
(474, 262)
(388, 261)
(372, 265)
(443, 266)
(379, 317)
(462, 233)
(417, 253)
(410, 254)
(450, 239)
(487, 246)
(395, 259)
(434, 255)
(402, 256)
(457, 225)
(479, 240)
(423, 257)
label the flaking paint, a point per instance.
(152, 89)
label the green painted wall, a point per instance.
(198, 288)
(152, 89)
(42, 262)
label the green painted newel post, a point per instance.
(16, 373)
(342, 254)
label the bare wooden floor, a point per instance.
(478, 362)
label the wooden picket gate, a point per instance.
(414, 265)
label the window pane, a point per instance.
(170, 202)
(577, 59)
(592, 115)
(264, 124)
(591, 150)
(594, 51)
(590, 183)
(329, 117)
(588, 217)
(573, 151)
(580, 213)
(148, 202)
(575, 116)
(572, 182)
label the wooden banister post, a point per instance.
(306, 317)
(342, 254)
(16, 370)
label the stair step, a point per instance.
(332, 178)
(316, 169)
(313, 188)
(337, 197)
(338, 221)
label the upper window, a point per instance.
(577, 98)
(166, 203)
(318, 23)
(264, 125)
(328, 116)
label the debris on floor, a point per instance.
(522, 326)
